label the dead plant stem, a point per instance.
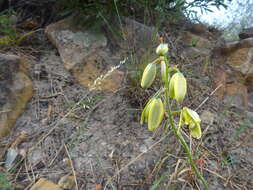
(72, 166)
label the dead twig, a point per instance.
(133, 160)
(207, 98)
(72, 166)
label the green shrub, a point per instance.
(155, 9)
(7, 30)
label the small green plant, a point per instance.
(7, 30)
(4, 183)
(194, 43)
(173, 86)
(9, 35)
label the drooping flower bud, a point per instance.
(162, 49)
(148, 75)
(190, 115)
(144, 114)
(196, 131)
(155, 114)
(192, 119)
(177, 87)
(163, 70)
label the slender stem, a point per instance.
(178, 136)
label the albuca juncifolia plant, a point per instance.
(173, 86)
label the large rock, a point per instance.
(231, 91)
(246, 33)
(15, 91)
(84, 53)
(241, 61)
(136, 35)
(196, 45)
(74, 44)
(231, 47)
(44, 184)
(191, 39)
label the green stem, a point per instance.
(178, 136)
(175, 112)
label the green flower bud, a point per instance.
(196, 131)
(192, 119)
(189, 115)
(144, 114)
(162, 49)
(148, 75)
(177, 87)
(155, 114)
(163, 70)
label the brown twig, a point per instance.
(72, 166)
(207, 98)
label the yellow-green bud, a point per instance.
(196, 131)
(148, 75)
(144, 114)
(192, 119)
(155, 114)
(163, 70)
(162, 49)
(177, 87)
(190, 115)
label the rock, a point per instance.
(85, 54)
(12, 158)
(198, 28)
(136, 35)
(35, 157)
(249, 115)
(191, 39)
(250, 99)
(15, 91)
(67, 182)
(241, 61)
(246, 33)
(194, 52)
(249, 83)
(93, 77)
(237, 94)
(196, 45)
(219, 80)
(230, 47)
(207, 117)
(232, 91)
(44, 184)
(74, 44)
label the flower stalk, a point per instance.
(174, 87)
(179, 136)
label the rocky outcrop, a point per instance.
(239, 56)
(242, 61)
(86, 53)
(246, 33)
(15, 91)
(235, 76)
(230, 47)
(196, 45)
